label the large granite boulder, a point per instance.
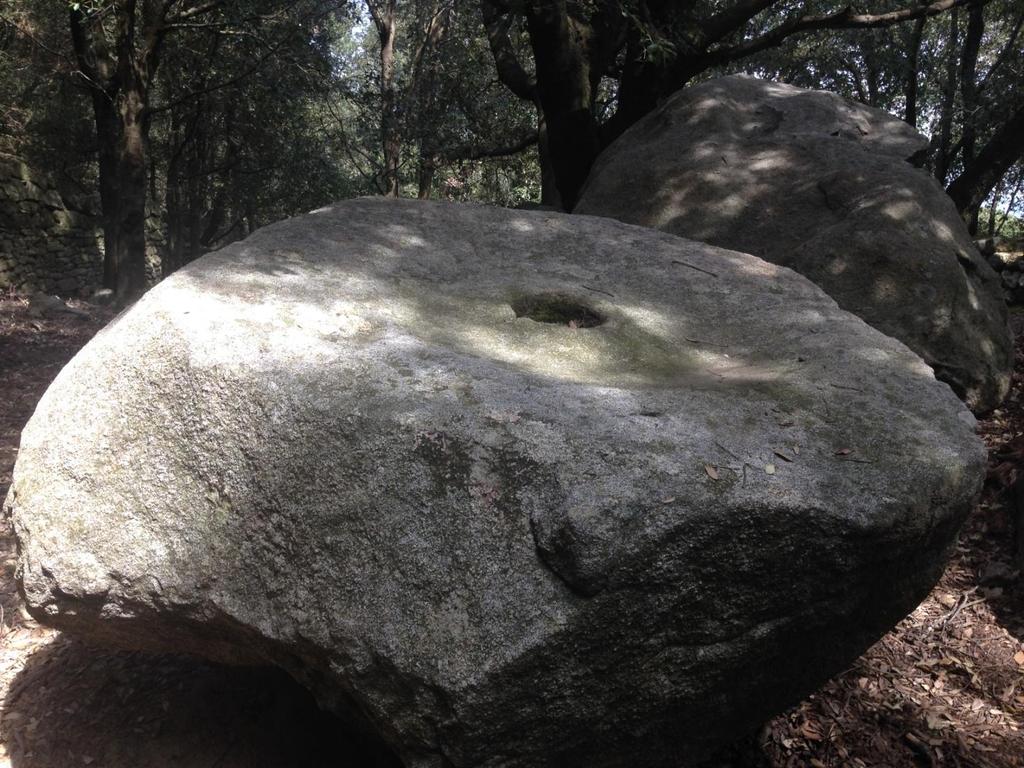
(502, 488)
(827, 187)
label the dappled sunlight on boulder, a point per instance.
(811, 181)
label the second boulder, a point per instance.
(827, 187)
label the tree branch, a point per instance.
(844, 18)
(193, 12)
(497, 22)
(220, 85)
(432, 33)
(1004, 54)
(725, 22)
(1004, 148)
(479, 153)
(383, 16)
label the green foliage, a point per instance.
(44, 115)
(265, 108)
(451, 109)
(1008, 226)
(875, 66)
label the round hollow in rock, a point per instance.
(557, 309)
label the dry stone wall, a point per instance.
(1007, 258)
(44, 244)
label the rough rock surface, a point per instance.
(814, 182)
(620, 533)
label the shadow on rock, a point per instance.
(77, 705)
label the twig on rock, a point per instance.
(691, 266)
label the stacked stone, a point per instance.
(155, 250)
(44, 244)
(1007, 259)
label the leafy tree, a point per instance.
(210, 118)
(649, 48)
(239, 139)
(420, 97)
(119, 46)
(990, 106)
(955, 77)
(42, 114)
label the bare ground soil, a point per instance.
(944, 688)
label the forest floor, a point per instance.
(944, 688)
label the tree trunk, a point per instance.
(195, 187)
(131, 210)
(432, 23)
(385, 18)
(969, 95)
(648, 78)
(107, 130)
(174, 233)
(560, 47)
(216, 200)
(945, 133)
(992, 211)
(639, 90)
(524, 85)
(548, 186)
(913, 71)
(117, 51)
(425, 175)
(121, 138)
(977, 180)
(872, 75)
(968, 78)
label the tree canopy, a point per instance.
(193, 122)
